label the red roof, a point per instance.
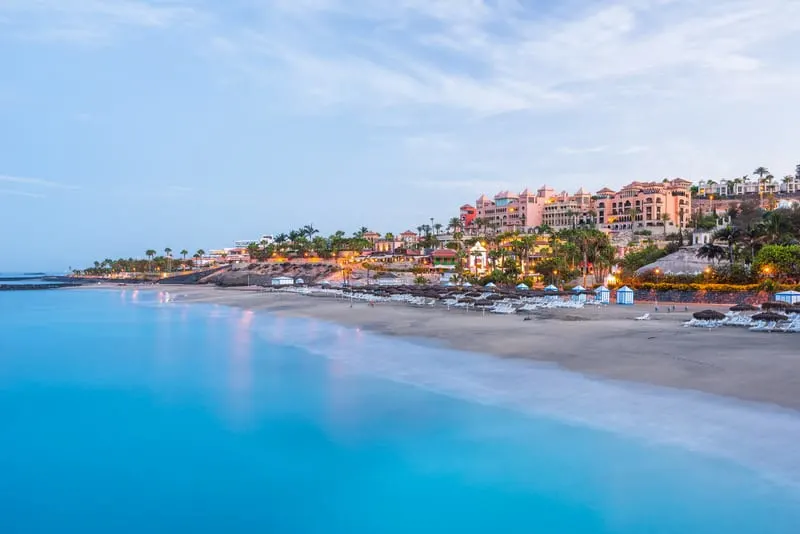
(444, 253)
(409, 232)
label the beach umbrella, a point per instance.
(708, 315)
(466, 284)
(522, 287)
(769, 316)
(551, 287)
(578, 288)
(490, 285)
(449, 284)
(775, 305)
(743, 307)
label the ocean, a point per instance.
(123, 412)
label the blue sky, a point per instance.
(131, 124)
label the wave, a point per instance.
(760, 437)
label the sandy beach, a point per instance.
(605, 343)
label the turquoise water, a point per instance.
(122, 413)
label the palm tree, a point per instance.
(665, 218)
(711, 252)
(200, 253)
(730, 235)
(168, 254)
(787, 180)
(150, 253)
(309, 230)
(184, 252)
(437, 228)
(454, 224)
(761, 172)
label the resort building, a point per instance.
(467, 214)
(409, 238)
(637, 205)
(565, 210)
(510, 211)
(444, 258)
(646, 204)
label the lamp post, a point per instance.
(555, 277)
(657, 272)
(707, 272)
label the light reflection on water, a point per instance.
(148, 416)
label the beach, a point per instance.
(604, 343)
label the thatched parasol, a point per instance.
(708, 315)
(769, 316)
(744, 307)
(775, 305)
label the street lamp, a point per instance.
(555, 276)
(707, 272)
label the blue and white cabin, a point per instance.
(790, 297)
(282, 281)
(578, 293)
(625, 296)
(602, 294)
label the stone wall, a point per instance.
(702, 297)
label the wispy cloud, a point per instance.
(586, 150)
(13, 192)
(35, 182)
(90, 21)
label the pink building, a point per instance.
(510, 211)
(637, 205)
(646, 204)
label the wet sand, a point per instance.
(597, 342)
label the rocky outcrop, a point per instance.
(263, 273)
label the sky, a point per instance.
(134, 124)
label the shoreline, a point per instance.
(597, 343)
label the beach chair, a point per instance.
(645, 317)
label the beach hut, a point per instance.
(551, 287)
(282, 281)
(625, 295)
(790, 297)
(602, 294)
(522, 287)
(579, 293)
(299, 282)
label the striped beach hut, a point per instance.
(602, 294)
(578, 293)
(790, 297)
(625, 295)
(551, 287)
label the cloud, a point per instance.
(587, 150)
(20, 193)
(90, 21)
(35, 182)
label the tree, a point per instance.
(782, 260)
(150, 253)
(761, 172)
(711, 252)
(730, 235)
(420, 280)
(665, 218)
(168, 254)
(184, 252)
(437, 228)
(309, 230)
